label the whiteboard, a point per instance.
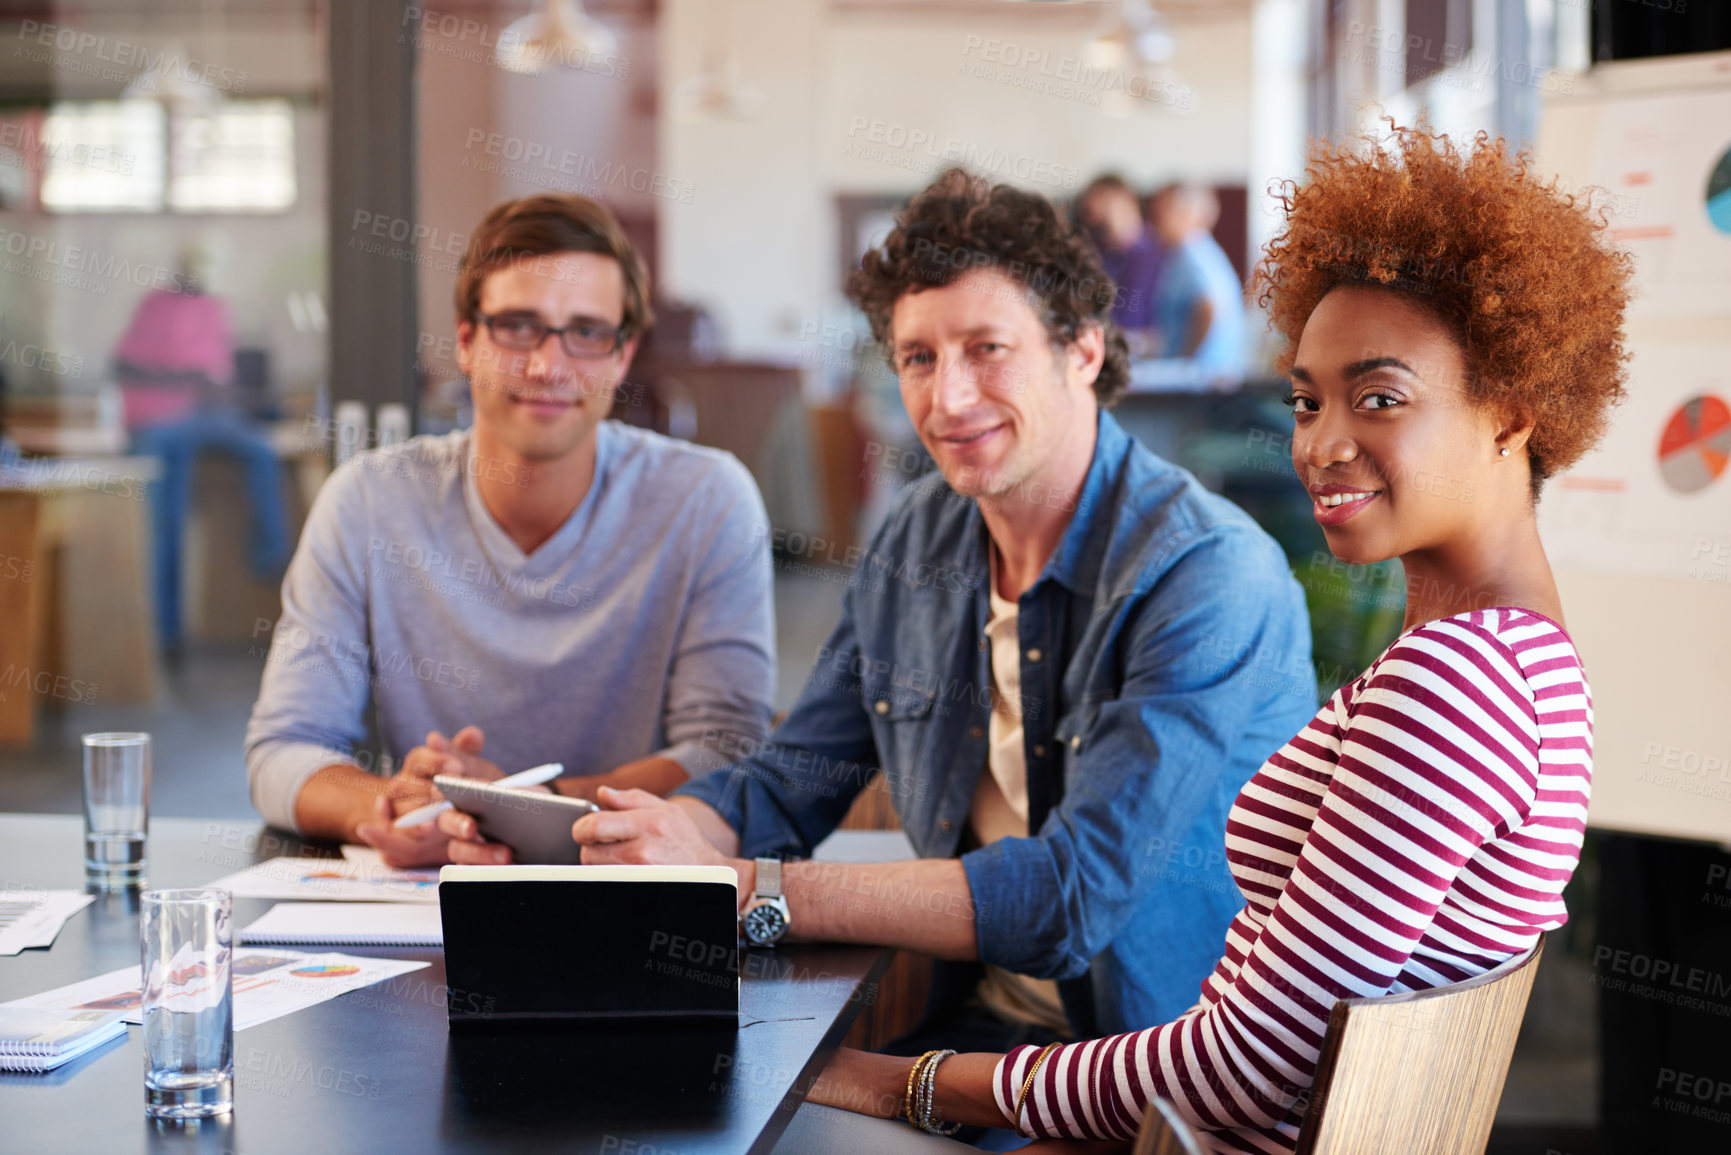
(1639, 531)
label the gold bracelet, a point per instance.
(908, 1098)
(1027, 1085)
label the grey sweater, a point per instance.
(643, 626)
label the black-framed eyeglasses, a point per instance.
(524, 332)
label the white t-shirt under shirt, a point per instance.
(1000, 810)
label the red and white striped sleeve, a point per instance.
(1439, 754)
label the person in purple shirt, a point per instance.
(1129, 252)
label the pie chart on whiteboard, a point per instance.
(1696, 443)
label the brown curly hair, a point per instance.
(1518, 269)
(960, 223)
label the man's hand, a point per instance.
(423, 845)
(467, 847)
(455, 757)
(412, 787)
(637, 828)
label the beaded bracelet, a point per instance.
(913, 1081)
(928, 1095)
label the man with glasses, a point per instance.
(549, 586)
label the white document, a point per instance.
(367, 856)
(332, 879)
(32, 918)
(268, 984)
(348, 924)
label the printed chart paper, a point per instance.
(333, 880)
(1655, 497)
(268, 984)
(1666, 160)
(32, 918)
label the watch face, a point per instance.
(765, 923)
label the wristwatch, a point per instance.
(766, 917)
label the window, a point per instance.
(104, 155)
(141, 156)
(239, 158)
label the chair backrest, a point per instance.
(1166, 1132)
(1418, 1073)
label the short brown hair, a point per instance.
(961, 223)
(1518, 269)
(544, 224)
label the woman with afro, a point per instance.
(1455, 338)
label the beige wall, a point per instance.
(485, 135)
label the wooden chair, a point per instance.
(1166, 1132)
(1417, 1073)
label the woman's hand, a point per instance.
(878, 1085)
(865, 1083)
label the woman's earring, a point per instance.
(1505, 453)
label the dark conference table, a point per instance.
(378, 1070)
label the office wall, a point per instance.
(852, 99)
(485, 135)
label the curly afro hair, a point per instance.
(960, 223)
(1518, 269)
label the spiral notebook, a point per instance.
(347, 924)
(40, 1040)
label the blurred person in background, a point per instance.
(1129, 252)
(1198, 305)
(175, 366)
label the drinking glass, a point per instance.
(116, 809)
(188, 1002)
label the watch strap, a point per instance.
(768, 878)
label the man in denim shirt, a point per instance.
(1065, 655)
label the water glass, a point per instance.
(116, 809)
(188, 1002)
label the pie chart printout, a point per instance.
(329, 971)
(1719, 193)
(1696, 443)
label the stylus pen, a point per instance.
(534, 776)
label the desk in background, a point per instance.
(379, 1070)
(75, 616)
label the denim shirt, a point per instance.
(1165, 653)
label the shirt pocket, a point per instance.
(901, 719)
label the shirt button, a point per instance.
(983, 642)
(1039, 749)
(883, 707)
(1034, 654)
(944, 825)
(1076, 742)
(977, 732)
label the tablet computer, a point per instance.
(535, 825)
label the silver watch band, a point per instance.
(768, 877)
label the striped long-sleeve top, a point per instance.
(1417, 832)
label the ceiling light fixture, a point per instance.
(561, 34)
